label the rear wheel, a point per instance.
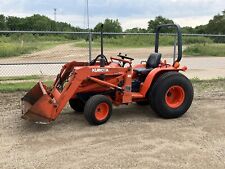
(171, 95)
(98, 109)
(77, 105)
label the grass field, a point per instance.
(16, 78)
(16, 45)
(20, 86)
(139, 41)
(202, 85)
(20, 83)
(16, 49)
(205, 50)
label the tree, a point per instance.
(217, 24)
(201, 29)
(36, 23)
(159, 20)
(136, 30)
(2, 22)
(109, 26)
(188, 29)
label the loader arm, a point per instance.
(48, 104)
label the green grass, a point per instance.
(203, 85)
(17, 48)
(205, 50)
(197, 80)
(16, 44)
(25, 86)
(20, 86)
(20, 83)
(32, 77)
(139, 41)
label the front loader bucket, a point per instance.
(37, 105)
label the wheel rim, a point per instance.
(102, 111)
(175, 96)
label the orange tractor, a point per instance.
(92, 88)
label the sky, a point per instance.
(131, 13)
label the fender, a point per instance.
(154, 73)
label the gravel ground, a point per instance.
(134, 137)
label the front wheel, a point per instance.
(98, 109)
(171, 95)
(77, 105)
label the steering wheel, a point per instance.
(125, 57)
(93, 62)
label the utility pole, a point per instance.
(88, 24)
(90, 35)
(55, 12)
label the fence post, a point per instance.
(90, 41)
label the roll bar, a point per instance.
(179, 39)
(102, 63)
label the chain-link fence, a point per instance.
(39, 53)
(25, 53)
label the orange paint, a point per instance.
(175, 96)
(42, 105)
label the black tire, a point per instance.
(160, 91)
(142, 103)
(91, 107)
(77, 105)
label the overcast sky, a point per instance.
(131, 13)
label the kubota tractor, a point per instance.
(92, 88)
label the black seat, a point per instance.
(152, 62)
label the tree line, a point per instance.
(42, 23)
(34, 23)
(215, 26)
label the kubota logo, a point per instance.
(100, 70)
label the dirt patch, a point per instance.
(133, 138)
